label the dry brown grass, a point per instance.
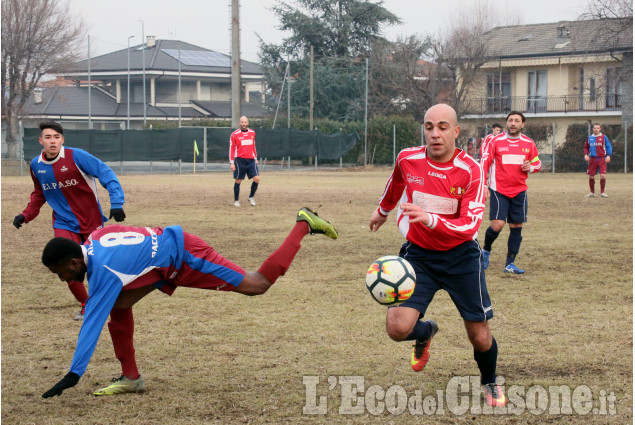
(210, 357)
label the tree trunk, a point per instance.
(12, 138)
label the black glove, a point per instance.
(70, 380)
(18, 221)
(117, 213)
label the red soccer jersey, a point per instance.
(504, 161)
(242, 144)
(452, 193)
(486, 141)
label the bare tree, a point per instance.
(463, 48)
(614, 34)
(38, 37)
(402, 81)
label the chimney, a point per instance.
(37, 96)
(563, 32)
(151, 41)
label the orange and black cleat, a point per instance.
(421, 350)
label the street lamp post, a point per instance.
(128, 92)
(143, 47)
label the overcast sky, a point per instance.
(206, 23)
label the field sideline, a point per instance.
(222, 358)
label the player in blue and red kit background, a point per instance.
(243, 159)
(597, 152)
(124, 264)
(65, 178)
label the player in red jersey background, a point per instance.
(511, 157)
(243, 159)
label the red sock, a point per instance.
(602, 184)
(592, 185)
(278, 263)
(121, 327)
(79, 291)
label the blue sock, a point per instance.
(421, 332)
(254, 187)
(513, 244)
(487, 363)
(236, 191)
(490, 237)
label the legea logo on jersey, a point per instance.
(64, 168)
(414, 179)
(439, 175)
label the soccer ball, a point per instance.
(390, 280)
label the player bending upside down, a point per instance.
(124, 264)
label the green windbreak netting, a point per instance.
(175, 144)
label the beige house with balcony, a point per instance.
(564, 73)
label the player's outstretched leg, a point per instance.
(316, 224)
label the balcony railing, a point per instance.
(540, 104)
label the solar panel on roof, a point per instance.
(200, 57)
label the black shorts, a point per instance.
(245, 166)
(512, 210)
(458, 271)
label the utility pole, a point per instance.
(311, 92)
(90, 115)
(235, 64)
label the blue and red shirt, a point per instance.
(68, 184)
(124, 257)
(598, 146)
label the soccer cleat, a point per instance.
(316, 224)
(252, 202)
(122, 385)
(421, 350)
(494, 395)
(485, 258)
(236, 203)
(511, 268)
(590, 195)
(80, 315)
(604, 195)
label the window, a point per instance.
(499, 91)
(592, 90)
(537, 91)
(614, 88)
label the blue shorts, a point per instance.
(458, 271)
(512, 210)
(245, 166)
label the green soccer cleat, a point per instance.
(122, 385)
(316, 224)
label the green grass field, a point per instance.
(223, 358)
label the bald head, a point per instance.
(440, 127)
(243, 123)
(442, 112)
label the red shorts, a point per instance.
(202, 267)
(80, 238)
(596, 165)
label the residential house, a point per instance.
(175, 74)
(563, 72)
